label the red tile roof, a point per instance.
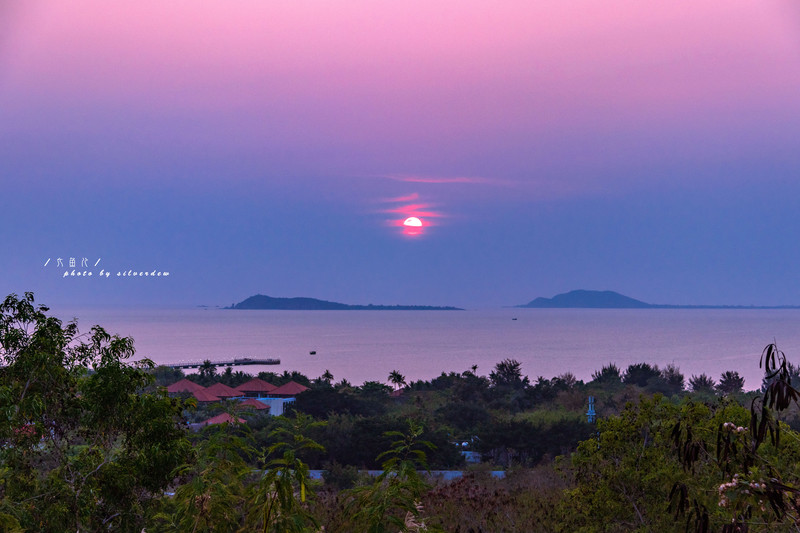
(255, 404)
(184, 385)
(223, 391)
(289, 389)
(203, 396)
(221, 419)
(256, 385)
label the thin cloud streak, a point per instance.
(415, 210)
(439, 179)
(401, 199)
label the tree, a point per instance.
(566, 381)
(207, 373)
(702, 383)
(164, 375)
(214, 496)
(470, 388)
(234, 379)
(397, 379)
(275, 503)
(83, 448)
(287, 376)
(673, 380)
(624, 475)
(525, 439)
(758, 468)
(697, 466)
(508, 373)
(343, 385)
(392, 502)
(374, 389)
(608, 375)
(641, 374)
(730, 382)
(327, 377)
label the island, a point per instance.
(261, 301)
(587, 299)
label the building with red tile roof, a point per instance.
(222, 419)
(288, 389)
(203, 396)
(256, 388)
(184, 385)
(223, 391)
(255, 404)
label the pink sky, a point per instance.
(445, 89)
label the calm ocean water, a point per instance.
(367, 345)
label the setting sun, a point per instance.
(413, 222)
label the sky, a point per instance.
(276, 147)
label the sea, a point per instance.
(367, 345)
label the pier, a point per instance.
(239, 361)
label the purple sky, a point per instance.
(276, 147)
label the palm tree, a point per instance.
(397, 379)
(208, 372)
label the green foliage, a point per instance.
(702, 383)
(508, 373)
(393, 501)
(624, 475)
(641, 374)
(699, 467)
(730, 382)
(164, 375)
(207, 373)
(285, 377)
(471, 388)
(523, 501)
(397, 379)
(356, 440)
(338, 476)
(374, 389)
(83, 447)
(524, 440)
(672, 380)
(608, 375)
(233, 379)
(465, 418)
(566, 382)
(322, 402)
(279, 500)
(214, 495)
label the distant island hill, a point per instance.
(584, 299)
(260, 301)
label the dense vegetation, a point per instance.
(90, 442)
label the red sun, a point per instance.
(412, 226)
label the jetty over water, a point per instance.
(239, 361)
